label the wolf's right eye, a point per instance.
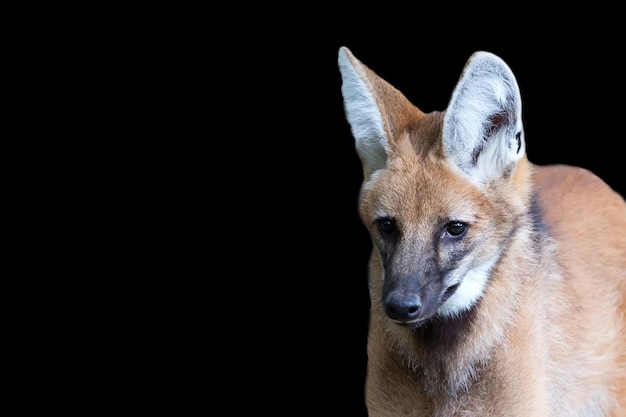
(386, 226)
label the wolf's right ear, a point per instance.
(374, 110)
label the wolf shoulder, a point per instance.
(570, 193)
(583, 213)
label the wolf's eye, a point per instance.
(456, 228)
(386, 226)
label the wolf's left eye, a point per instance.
(456, 228)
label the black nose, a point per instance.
(402, 306)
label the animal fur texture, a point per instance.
(498, 286)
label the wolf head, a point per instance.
(442, 192)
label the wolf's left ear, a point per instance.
(482, 132)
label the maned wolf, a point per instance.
(498, 287)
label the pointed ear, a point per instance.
(482, 128)
(374, 109)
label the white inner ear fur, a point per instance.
(486, 91)
(363, 116)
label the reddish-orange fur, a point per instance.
(548, 336)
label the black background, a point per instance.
(246, 178)
(302, 181)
